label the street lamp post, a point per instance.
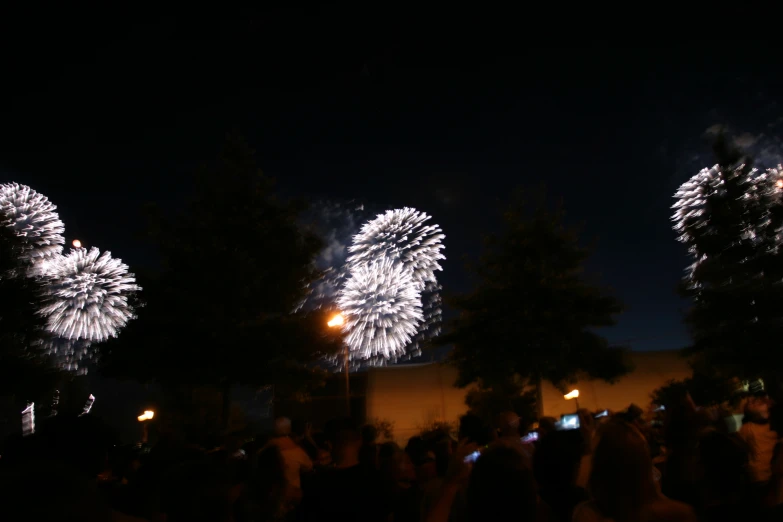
(335, 322)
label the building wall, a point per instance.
(415, 396)
(652, 370)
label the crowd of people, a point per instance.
(687, 464)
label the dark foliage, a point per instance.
(736, 317)
(236, 263)
(705, 386)
(533, 315)
(23, 369)
(489, 403)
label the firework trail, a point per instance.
(88, 405)
(88, 295)
(28, 419)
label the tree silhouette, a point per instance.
(236, 263)
(734, 283)
(532, 314)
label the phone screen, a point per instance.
(569, 422)
(472, 457)
(530, 437)
(604, 413)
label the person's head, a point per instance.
(501, 483)
(471, 427)
(347, 443)
(282, 427)
(416, 450)
(369, 434)
(757, 410)
(508, 424)
(546, 425)
(776, 418)
(621, 481)
(556, 460)
(298, 428)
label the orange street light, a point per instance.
(337, 320)
(573, 394)
(76, 243)
(143, 418)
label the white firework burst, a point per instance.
(402, 236)
(33, 218)
(689, 210)
(381, 303)
(88, 295)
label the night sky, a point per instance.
(102, 120)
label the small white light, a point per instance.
(76, 243)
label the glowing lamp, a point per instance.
(779, 183)
(76, 243)
(337, 320)
(147, 415)
(573, 394)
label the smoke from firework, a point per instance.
(335, 224)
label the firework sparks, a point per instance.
(88, 295)
(381, 303)
(69, 354)
(33, 218)
(28, 419)
(403, 236)
(691, 199)
(88, 405)
(55, 403)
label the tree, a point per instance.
(706, 387)
(533, 315)
(236, 262)
(512, 395)
(730, 217)
(25, 372)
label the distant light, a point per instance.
(147, 415)
(779, 183)
(76, 243)
(337, 320)
(573, 394)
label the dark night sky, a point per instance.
(102, 120)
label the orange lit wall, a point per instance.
(416, 395)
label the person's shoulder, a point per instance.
(672, 510)
(586, 512)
